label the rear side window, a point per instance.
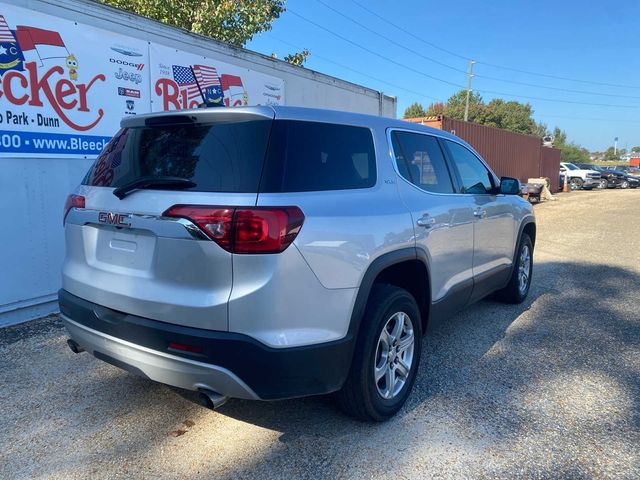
(312, 156)
(220, 157)
(419, 159)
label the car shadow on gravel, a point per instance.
(500, 387)
(500, 374)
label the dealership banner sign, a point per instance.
(180, 80)
(64, 86)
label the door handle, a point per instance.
(479, 212)
(426, 221)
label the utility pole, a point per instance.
(466, 105)
(615, 146)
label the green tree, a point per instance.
(559, 137)
(234, 22)
(573, 153)
(635, 149)
(434, 109)
(454, 108)
(297, 58)
(610, 154)
(415, 110)
(540, 130)
(513, 116)
(569, 152)
(509, 115)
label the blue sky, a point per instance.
(597, 42)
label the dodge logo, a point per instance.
(117, 219)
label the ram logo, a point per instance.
(117, 219)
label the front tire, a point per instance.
(604, 184)
(518, 287)
(575, 183)
(386, 357)
(624, 184)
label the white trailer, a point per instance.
(69, 71)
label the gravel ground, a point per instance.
(548, 389)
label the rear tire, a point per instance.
(391, 359)
(518, 287)
(624, 184)
(604, 184)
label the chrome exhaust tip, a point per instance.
(212, 400)
(74, 347)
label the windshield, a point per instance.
(571, 166)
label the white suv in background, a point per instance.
(268, 253)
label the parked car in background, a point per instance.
(608, 178)
(578, 177)
(633, 171)
(633, 181)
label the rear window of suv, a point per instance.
(241, 157)
(220, 157)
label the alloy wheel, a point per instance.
(524, 269)
(394, 355)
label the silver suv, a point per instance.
(268, 253)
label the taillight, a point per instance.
(73, 201)
(244, 229)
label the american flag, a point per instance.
(5, 33)
(207, 78)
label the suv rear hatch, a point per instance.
(124, 250)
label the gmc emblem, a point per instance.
(117, 219)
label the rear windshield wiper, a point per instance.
(143, 182)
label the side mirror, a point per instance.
(509, 186)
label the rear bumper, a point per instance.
(158, 366)
(231, 364)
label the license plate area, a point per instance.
(110, 247)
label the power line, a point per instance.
(346, 67)
(442, 80)
(391, 40)
(419, 94)
(411, 34)
(493, 65)
(373, 52)
(555, 88)
(615, 120)
(554, 100)
(558, 77)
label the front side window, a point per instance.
(475, 177)
(419, 159)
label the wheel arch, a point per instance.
(403, 268)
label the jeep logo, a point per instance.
(117, 219)
(128, 76)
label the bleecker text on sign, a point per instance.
(61, 94)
